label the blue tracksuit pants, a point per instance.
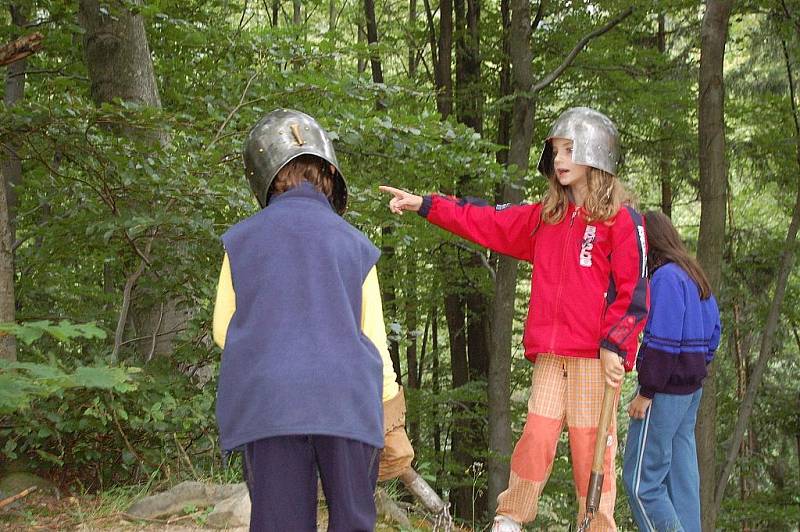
(660, 465)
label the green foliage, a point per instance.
(23, 382)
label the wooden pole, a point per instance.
(601, 443)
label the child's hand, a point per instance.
(638, 407)
(612, 367)
(402, 200)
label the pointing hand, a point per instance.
(402, 200)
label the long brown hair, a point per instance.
(605, 197)
(664, 244)
(309, 168)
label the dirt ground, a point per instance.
(46, 512)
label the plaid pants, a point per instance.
(569, 391)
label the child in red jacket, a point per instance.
(589, 301)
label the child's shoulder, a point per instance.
(628, 212)
(247, 223)
(626, 223)
(670, 272)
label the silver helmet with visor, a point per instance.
(595, 140)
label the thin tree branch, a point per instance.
(122, 433)
(165, 333)
(431, 34)
(126, 297)
(552, 76)
(234, 110)
(789, 15)
(155, 333)
(136, 248)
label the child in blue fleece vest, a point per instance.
(682, 333)
(300, 382)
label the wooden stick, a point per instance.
(600, 445)
(8, 500)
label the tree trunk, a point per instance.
(771, 325)
(443, 69)
(520, 140)
(469, 99)
(372, 39)
(11, 177)
(460, 496)
(8, 348)
(502, 308)
(413, 56)
(297, 17)
(117, 54)
(361, 36)
(665, 146)
(435, 386)
(469, 111)
(120, 66)
(411, 327)
(710, 247)
(504, 89)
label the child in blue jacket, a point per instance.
(682, 333)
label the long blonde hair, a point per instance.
(604, 198)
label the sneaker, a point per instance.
(505, 524)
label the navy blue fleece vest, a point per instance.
(295, 359)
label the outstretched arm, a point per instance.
(506, 229)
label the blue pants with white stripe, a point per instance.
(660, 465)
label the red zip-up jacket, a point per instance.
(589, 286)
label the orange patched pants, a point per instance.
(564, 391)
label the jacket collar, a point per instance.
(304, 190)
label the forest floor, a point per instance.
(107, 512)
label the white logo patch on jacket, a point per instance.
(643, 250)
(587, 246)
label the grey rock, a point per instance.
(174, 500)
(231, 512)
(14, 483)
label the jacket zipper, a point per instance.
(561, 280)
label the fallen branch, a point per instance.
(8, 500)
(20, 48)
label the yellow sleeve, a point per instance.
(225, 304)
(373, 327)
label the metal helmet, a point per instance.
(278, 138)
(595, 140)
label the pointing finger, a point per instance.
(391, 190)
